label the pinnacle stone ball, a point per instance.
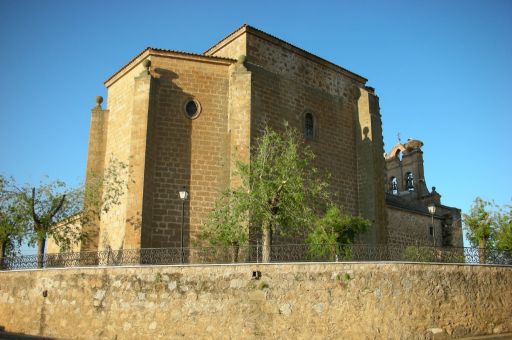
(242, 58)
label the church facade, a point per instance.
(182, 120)
(408, 199)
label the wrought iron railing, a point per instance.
(256, 254)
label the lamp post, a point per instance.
(432, 210)
(183, 196)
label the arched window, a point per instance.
(398, 154)
(393, 185)
(309, 126)
(409, 181)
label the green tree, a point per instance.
(504, 232)
(225, 224)
(12, 218)
(54, 210)
(479, 224)
(333, 232)
(489, 226)
(49, 204)
(103, 191)
(281, 193)
(284, 188)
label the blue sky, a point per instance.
(442, 70)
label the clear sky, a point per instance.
(442, 70)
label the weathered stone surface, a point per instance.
(386, 300)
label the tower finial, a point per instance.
(241, 59)
(147, 64)
(99, 100)
(398, 137)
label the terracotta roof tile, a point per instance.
(248, 27)
(161, 50)
(189, 53)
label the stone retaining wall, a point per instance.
(290, 301)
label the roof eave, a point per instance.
(149, 51)
(273, 39)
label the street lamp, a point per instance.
(432, 210)
(183, 196)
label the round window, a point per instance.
(192, 108)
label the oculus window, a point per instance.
(192, 108)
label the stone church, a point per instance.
(182, 120)
(408, 200)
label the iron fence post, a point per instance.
(257, 251)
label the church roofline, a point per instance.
(245, 28)
(151, 51)
(395, 202)
(228, 38)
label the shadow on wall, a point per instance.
(20, 336)
(168, 164)
(370, 163)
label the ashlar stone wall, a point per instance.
(410, 228)
(190, 153)
(289, 301)
(286, 84)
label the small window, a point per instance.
(393, 185)
(309, 126)
(398, 154)
(192, 108)
(409, 181)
